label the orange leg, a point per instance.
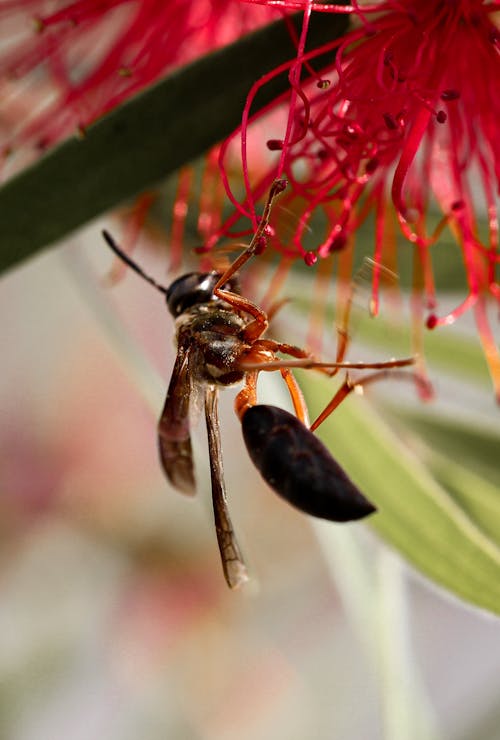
(296, 395)
(305, 359)
(258, 240)
(248, 395)
(258, 326)
(286, 349)
(349, 385)
(255, 328)
(260, 358)
(294, 351)
(342, 393)
(310, 364)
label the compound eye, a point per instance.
(189, 290)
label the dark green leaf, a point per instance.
(148, 137)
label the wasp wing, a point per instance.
(233, 565)
(174, 441)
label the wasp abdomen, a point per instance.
(298, 466)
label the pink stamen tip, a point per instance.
(426, 391)
(441, 116)
(338, 243)
(310, 258)
(274, 145)
(260, 245)
(371, 166)
(457, 205)
(390, 122)
(432, 321)
(323, 84)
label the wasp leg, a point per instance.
(350, 385)
(306, 360)
(247, 397)
(296, 395)
(255, 328)
(301, 354)
(310, 364)
(258, 239)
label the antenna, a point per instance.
(125, 258)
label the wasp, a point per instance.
(220, 336)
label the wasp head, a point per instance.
(193, 289)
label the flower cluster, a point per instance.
(64, 64)
(402, 124)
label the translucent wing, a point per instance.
(174, 441)
(233, 565)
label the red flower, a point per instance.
(405, 121)
(81, 58)
(402, 123)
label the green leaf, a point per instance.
(463, 458)
(148, 137)
(437, 530)
(476, 495)
(473, 445)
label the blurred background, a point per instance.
(115, 620)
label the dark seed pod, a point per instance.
(298, 466)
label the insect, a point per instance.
(220, 342)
